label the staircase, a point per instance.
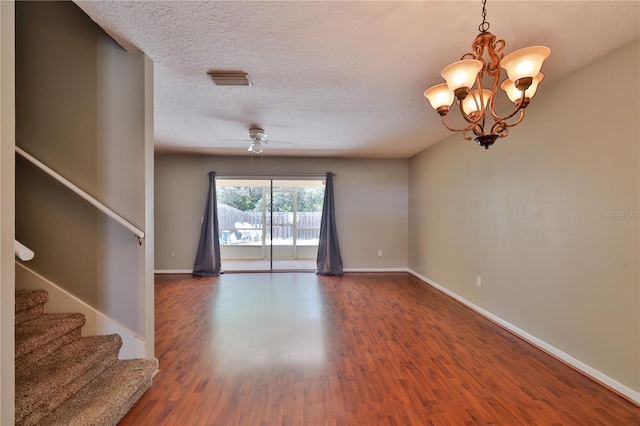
(65, 379)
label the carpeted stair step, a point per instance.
(108, 397)
(30, 304)
(40, 337)
(52, 381)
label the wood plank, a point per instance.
(295, 348)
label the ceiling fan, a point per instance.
(258, 138)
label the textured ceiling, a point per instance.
(335, 78)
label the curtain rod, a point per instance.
(251, 176)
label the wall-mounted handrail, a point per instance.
(22, 252)
(106, 210)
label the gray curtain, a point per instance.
(207, 262)
(329, 260)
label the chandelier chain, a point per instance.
(484, 26)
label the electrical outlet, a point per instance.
(172, 255)
(478, 281)
(380, 253)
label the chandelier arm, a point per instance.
(495, 51)
(470, 55)
(500, 129)
(464, 129)
(492, 102)
(464, 135)
(478, 129)
(519, 108)
(515, 111)
(518, 121)
(519, 105)
(481, 107)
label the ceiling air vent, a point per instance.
(230, 78)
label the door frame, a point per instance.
(267, 240)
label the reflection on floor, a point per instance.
(265, 320)
(265, 265)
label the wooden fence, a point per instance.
(231, 219)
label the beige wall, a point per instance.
(81, 108)
(370, 195)
(548, 217)
(7, 204)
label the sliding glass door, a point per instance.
(269, 224)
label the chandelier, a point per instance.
(464, 80)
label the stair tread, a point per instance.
(27, 299)
(68, 360)
(108, 397)
(48, 383)
(34, 333)
(69, 356)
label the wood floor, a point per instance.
(362, 349)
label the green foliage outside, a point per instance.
(249, 198)
(245, 198)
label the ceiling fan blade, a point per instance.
(282, 142)
(257, 142)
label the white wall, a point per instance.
(83, 108)
(548, 217)
(370, 195)
(7, 216)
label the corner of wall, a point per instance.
(7, 211)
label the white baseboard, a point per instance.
(188, 271)
(627, 392)
(375, 269)
(173, 271)
(60, 301)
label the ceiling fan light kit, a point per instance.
(464, 85)
(256, 147)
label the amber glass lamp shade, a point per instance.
(514, 94)
(461, 74)
(525, 62)
(474, 103)
(439, 96)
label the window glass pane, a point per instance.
(240, 211)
